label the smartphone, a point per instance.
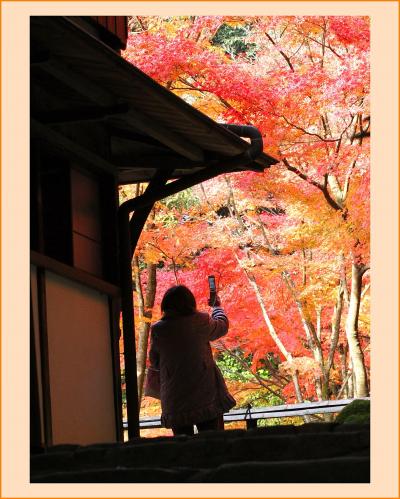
(213, 289)
(211, 284)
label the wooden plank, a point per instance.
(79, 114)
(122, 29)
(115, 309)
(111, 24)
(102, 20)
(139, 121)
(44, 262)
(80, 84)
(73, 149)
(44, 355)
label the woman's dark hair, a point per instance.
(178, 300)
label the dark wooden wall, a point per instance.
(118, 25)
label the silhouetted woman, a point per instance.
(192, 389)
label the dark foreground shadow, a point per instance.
(311, 453)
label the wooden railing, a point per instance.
(252, 414)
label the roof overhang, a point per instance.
(91, 104)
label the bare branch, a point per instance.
(287, 59)
(307, 132)
(325, 45)
(347, 179)
(322, 187)
(264, 383)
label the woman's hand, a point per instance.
(216, 302)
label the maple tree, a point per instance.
(290, 247)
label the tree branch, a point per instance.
(323, 188)
(307, 132)
(321, 43)
(287, 59)
(265, 384)
(138, 285)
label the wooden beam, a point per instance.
(80, 153)
(139, 121)
(83, 113)
(40, 282)
(131, 135)
(139, 217)
(80, 84)
(75, 274)
(154, 161)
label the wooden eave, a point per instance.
(91, 104)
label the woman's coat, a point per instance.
(192, 388)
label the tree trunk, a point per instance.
(145, 323)
(356, 354)
(271, 328)
(321, 383)
(336, 190)
(343, 369)
(299, 395)
(276, 338)
(335, 327)
(350, 384)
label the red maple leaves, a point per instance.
(285, 243)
